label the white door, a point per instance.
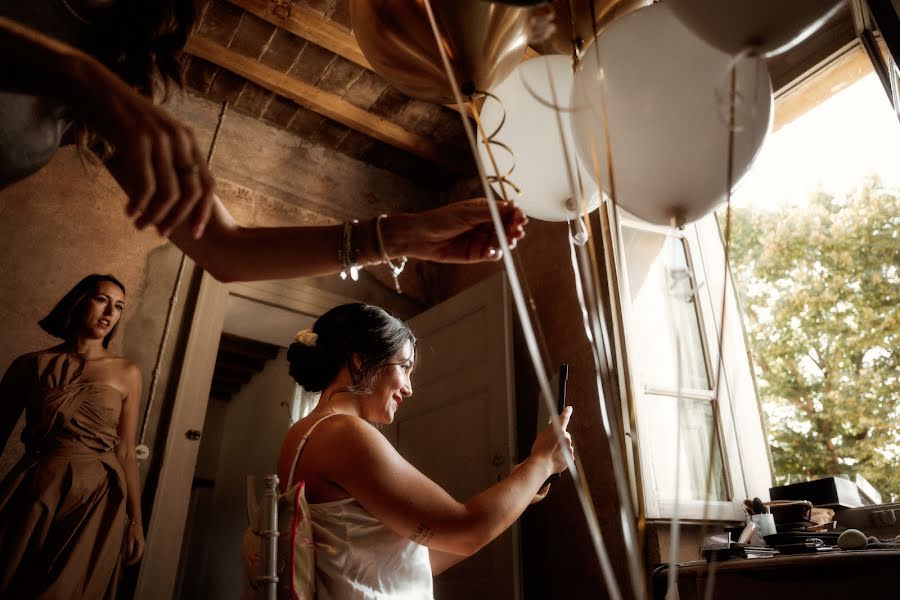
(159, 567)
(459, 427)
(165, 531)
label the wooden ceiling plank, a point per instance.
(324, 103)
(320, 31)
(308, 25)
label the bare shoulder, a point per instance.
(351, 429)
(128, 368)
(356, 437)
(131, 373)
(121, 373)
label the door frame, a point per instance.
(166, 529)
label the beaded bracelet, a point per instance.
(347, 255)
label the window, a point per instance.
(816, 261)
(668, 305)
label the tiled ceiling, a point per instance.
(249, 53)
(224, 24)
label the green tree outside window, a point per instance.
(820, 288)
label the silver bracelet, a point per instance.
(346, 256)
(395, 269)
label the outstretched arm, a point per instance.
(413, 506)
(461, 232)
(157, 161)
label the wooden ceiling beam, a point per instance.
(309, 25)
(325, 103)
(320, 31)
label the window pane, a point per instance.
(653, 318)
(814, 252)
(658, 414)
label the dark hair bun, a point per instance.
(311, 367)
(366, 332)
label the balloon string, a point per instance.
(675, 278)
(502, 181)
(612, 245)
(551, 104)
(527, 329)
(600, 347)
(720, 363)
(490, 141)
(633, 528)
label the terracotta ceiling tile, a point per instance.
(340, 14)
(417, 116)
(365, 90)
(446, 126)
(253, 99)
(356, 144)
(199, 74)
(279, 111)
(253, 36)
(312, 64)
(220, 21)
(329, 134)
(389, 103)
(225, 85)
(305, 122)
(283, 51)
(339, 76)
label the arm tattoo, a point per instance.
(422, 535)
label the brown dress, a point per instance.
(62, 507)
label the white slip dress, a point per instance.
(357, 557)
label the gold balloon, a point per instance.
(579, 31)
(484, 42)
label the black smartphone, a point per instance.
(561, 392)
(560, 403)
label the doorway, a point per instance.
(250, 408)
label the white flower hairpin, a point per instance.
(307, 337)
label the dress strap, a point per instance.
(302, 443)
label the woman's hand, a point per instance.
(546, 446)
(156, 161)
(541, 494)
(134, 543)
(461, 232)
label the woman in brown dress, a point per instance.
(67, 506)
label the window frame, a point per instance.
(736, 410)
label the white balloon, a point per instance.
(531, 132)
(767, 27)
(666, 95)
